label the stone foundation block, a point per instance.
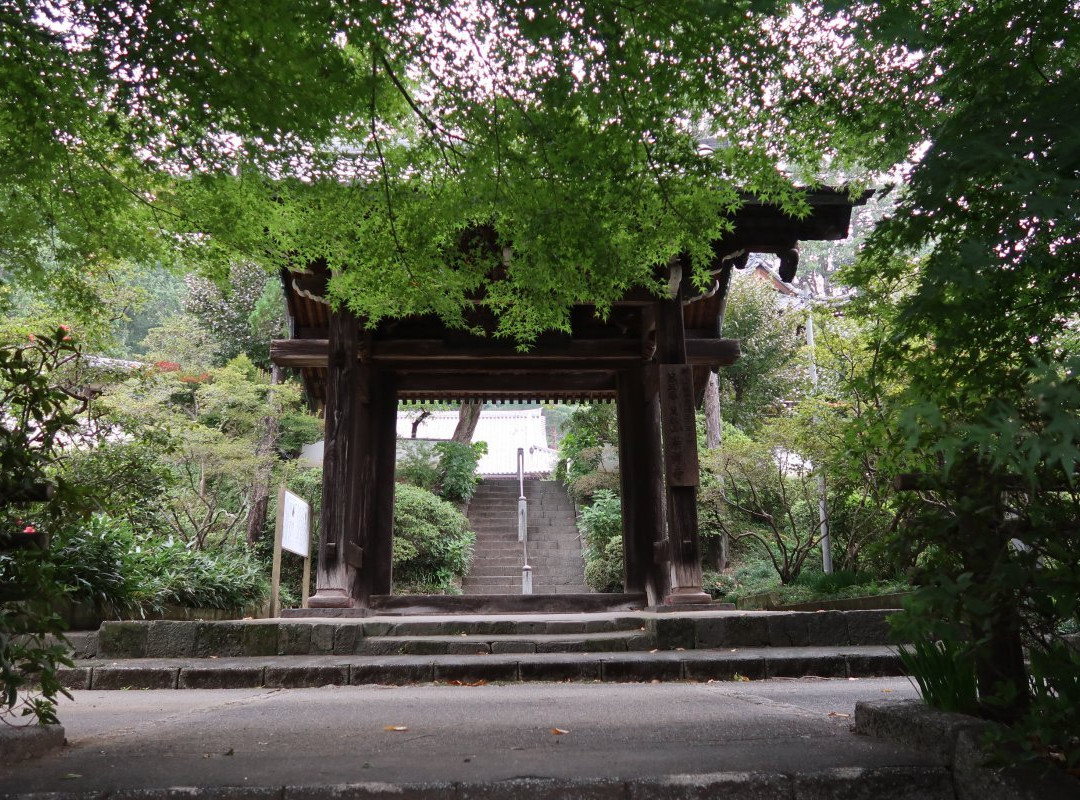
(868, 627)
(472, 671)
(306, 677)
(168, 639)
(391, 674)
(788, 630)
(134, 677)
(260, 639)
(726, 669)
(221, 678)
(122, 640)
(221, 639)
(641, 670)
(732, 631)
(294, 639)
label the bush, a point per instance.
(601, 534)
(417, 467)
(91, 562)
(432, 543)
(169, 573)
(589, 431)
(457, 469)
(102, 561)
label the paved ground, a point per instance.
(335, 735)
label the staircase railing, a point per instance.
(523, 525)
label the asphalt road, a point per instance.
(298, 737)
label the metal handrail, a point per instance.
(523, 525)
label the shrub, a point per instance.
(91, 561)
(600, 525)
(589, 431)
(457, 469)
(417, 467)
(432, 543)
(37, 419)
(170, 573)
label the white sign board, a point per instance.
(296, 525)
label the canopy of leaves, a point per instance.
(374, 135)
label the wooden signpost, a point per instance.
(292, 532)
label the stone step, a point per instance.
(611, 667)
(305, 633)
(622, 641)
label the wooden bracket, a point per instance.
(661, 552)
(354, 555)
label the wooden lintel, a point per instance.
(540, 382)
(596, 354)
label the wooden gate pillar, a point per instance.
(642, 483)
(339, 559)
(682, 548)
(376, 575)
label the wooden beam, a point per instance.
(596, 354)
(494, 382)
(712, 352)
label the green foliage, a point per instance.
(170, 573)
(243, 316)
(104, 562)
(37, 419)
(761, 492)
(457, 469)
(600, 525)
(589, 432)
(419, 468)
(754, 388)
(92, 562)
(297, 429)
(432, 543)
(944, 672)
(521, 119)
(32, 646)
(204, 428)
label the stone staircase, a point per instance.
(611, 647)
(554, 544)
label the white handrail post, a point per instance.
(523, 525)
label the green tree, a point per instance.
(976, 277)
(767, 373)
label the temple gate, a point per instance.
(652, 356)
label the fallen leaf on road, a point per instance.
(480, 682)
(72, 776)
(886, 690)
(838, 714)
(654, 650)
(740, 678)
(558, 731)
(395, 727)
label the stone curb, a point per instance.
(627, 667)
(898, 783)
(955, 738)
(20, 742)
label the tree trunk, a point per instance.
(714, 436)
(419, 419)
(713, 433)
(264, 463)
(468, 417)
